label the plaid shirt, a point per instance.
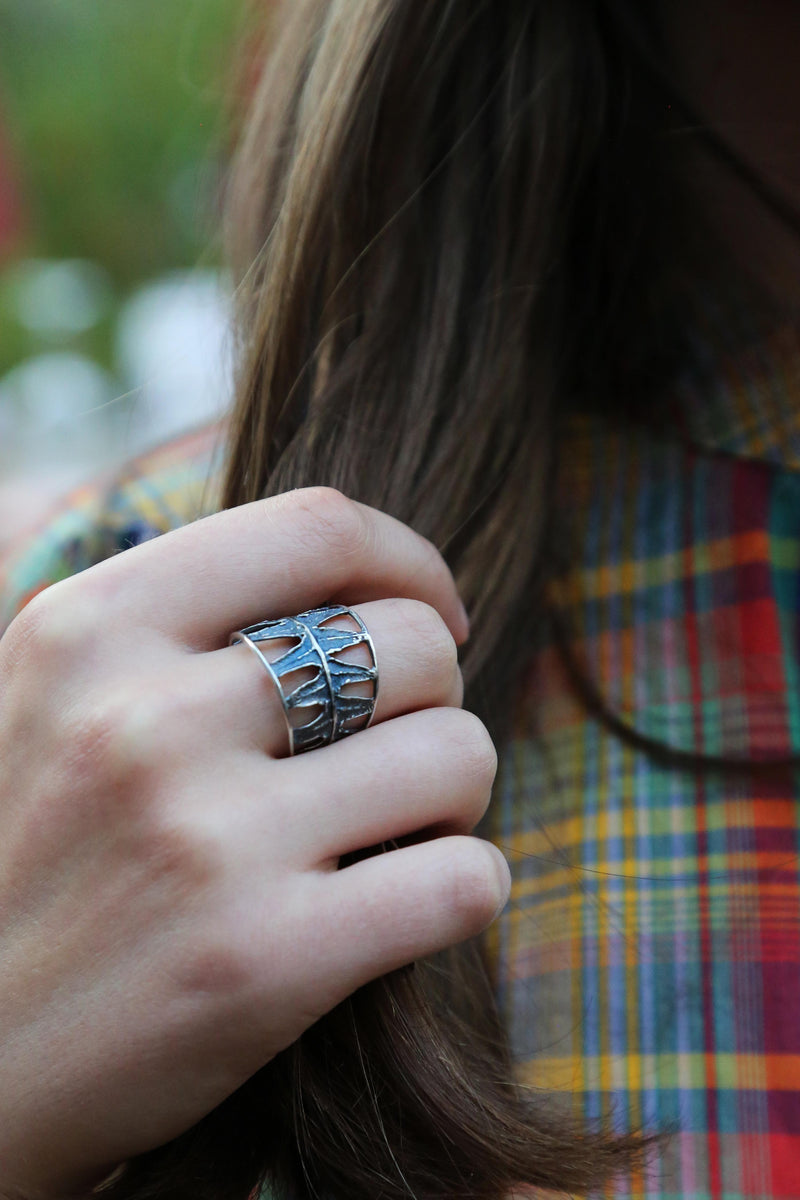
(648, 962)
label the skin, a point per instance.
(172, 912)
(737, 61)
(168, 877)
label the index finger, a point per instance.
(272, 558)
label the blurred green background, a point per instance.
(115, 120)
(114, 116)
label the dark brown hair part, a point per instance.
(452, 226)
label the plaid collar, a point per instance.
(748, 403)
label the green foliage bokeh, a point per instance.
(116, 111)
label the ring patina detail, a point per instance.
(317, 646)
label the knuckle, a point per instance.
(475, 802)
(434, 642)
(91, 736)
(21, 631)
(49, 627)
(473, 884)
(148, 723)
(472, 745)
(333, 519)
(128, 735)
(179, 852)
(212, 966)
(436, 563)
(64, 623)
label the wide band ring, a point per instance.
(316, 645)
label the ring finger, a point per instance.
(417, 668)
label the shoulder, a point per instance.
(167, 487)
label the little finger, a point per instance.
(384, 912)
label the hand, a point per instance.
(172, 911)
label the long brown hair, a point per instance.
(452, 224)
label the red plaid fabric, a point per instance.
(648, 963)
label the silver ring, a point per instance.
(316, 645)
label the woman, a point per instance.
(509, 275)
